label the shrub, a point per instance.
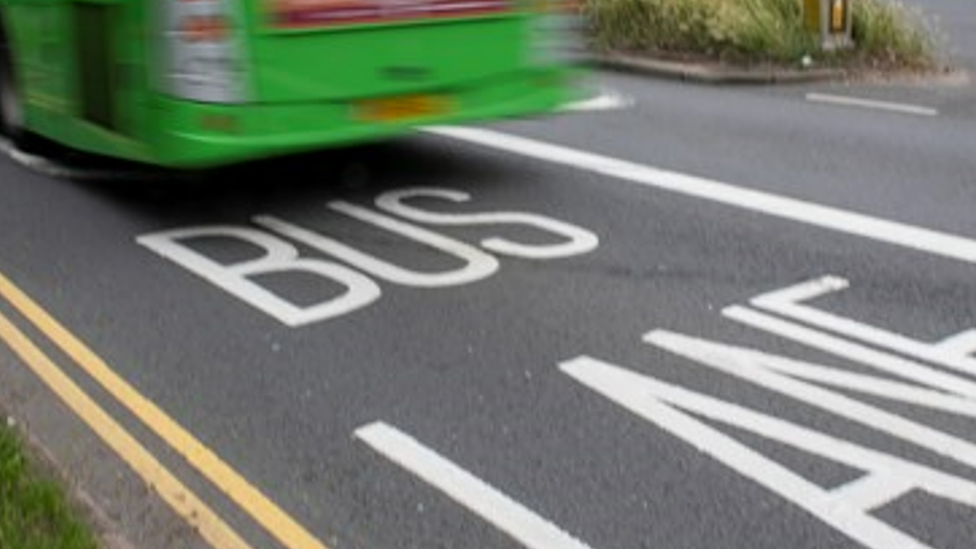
(755, 31)
(890, 34)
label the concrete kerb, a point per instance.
(710, 74)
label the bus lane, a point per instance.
(327, 356)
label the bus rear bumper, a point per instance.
(201, 135)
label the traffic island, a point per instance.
(762, 41)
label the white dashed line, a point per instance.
(508, 515)
(608, 100)
(845, 101)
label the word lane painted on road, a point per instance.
(944, 382)
(355, 270)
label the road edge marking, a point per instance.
(265, 512)
(829, 217)
(178, 496)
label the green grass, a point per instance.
(886, 34)
(34, 512)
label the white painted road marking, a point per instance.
(495, 507)
(476, 264)
(578, 240)
(40, 164)
(845, 508)
(893, 364)
(281, 256)
(791, 378)
(52, 167)
(846, 101)
(953, 352)
(608, 100)
(886, 477)
(874, 228)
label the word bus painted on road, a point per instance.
(191, 83)
(359, 271)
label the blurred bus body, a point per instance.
(195, 83)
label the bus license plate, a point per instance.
(396, 109)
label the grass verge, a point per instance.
(34, 512)
(887, 34)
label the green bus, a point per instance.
(198, 83)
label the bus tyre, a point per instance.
(11, 107)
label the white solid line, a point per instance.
(846, 101)
(505, 513)
(882, 230)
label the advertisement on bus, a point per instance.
(323, 13)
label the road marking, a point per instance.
(872, 492)
(792, 378)
(181, 499)
(476, 264)
(953, 352)
(495, 507)
(846, 508)
(59, 170)
(35, 163)
(847, 101)
(849, 382)
(607, 100)
(279, 256)
(265, 512)
(577, 239)
(904, 368)
(357, 273)
(882, 230)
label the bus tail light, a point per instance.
(203, 51)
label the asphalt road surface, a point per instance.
(684, 317)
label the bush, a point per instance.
(755, 31)
(888, 33)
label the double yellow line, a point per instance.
(179, 497)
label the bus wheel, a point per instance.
(11, 108)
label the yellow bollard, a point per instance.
(830, 20)
(838, 16)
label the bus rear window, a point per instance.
(298, 14)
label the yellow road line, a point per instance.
(265, 512)
(179, 497)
